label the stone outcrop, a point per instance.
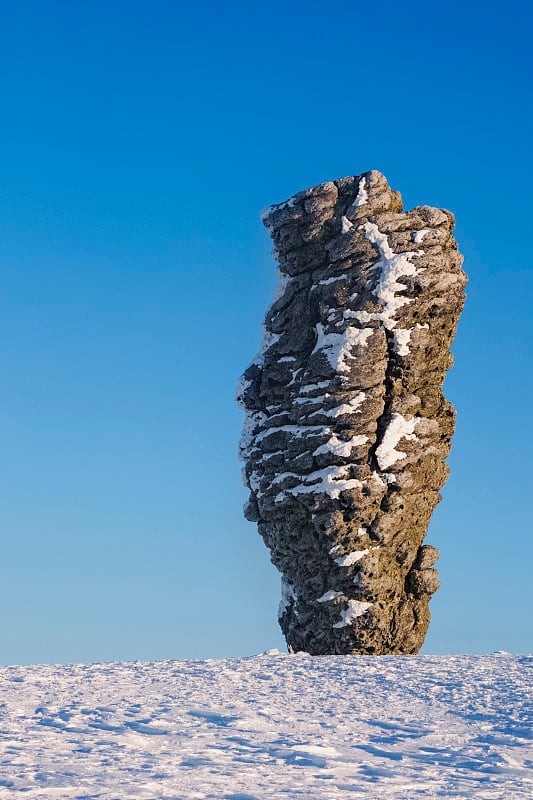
(346, 426)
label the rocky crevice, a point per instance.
(346, 427)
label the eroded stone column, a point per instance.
(346, 426)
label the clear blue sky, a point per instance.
(139, 143)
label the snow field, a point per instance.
(271, 726)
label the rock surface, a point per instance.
(346, 426)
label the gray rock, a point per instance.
(346, 426)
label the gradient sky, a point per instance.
(139, 143)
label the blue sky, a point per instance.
(139, 143)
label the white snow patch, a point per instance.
(330, 480)
(338, 447)
(265, 214)
(338, 346)
(315, 750)
(351, 407)
(268, 339)
(402, 337)
(356, 608)
(393, 266)
(398, 428)
(331, 595)
(288, 596)
(311, 387)
(346, 225)
(362, 194)
(336, 278)
(294, 373)
(418, 236)
(266, 456)
(295, 430)
(252, 421)
(349, 559)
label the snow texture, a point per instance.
(356, 608)
(327, 596)
(393, 266)
(350, 558)
(288, 596)
(330, 480)
(339, 346)
(398, 428)
(362, 194)
(339, 447)
(270, 727)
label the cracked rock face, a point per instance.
(346, 426)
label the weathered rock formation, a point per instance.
(346, 426)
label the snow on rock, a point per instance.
(340, 447)
(347, 386)
(327, 596)
(351, 407)
(288, 596)
(419, 236)
(338, 347)
(346, 225)
(330, 481)
(356, 608)
(349, 559)
(398, 428)
(392, 266)
(402, 337)
(362, 194)
(270, 727)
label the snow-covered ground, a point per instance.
(271, 726)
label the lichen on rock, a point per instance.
(346, 427)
